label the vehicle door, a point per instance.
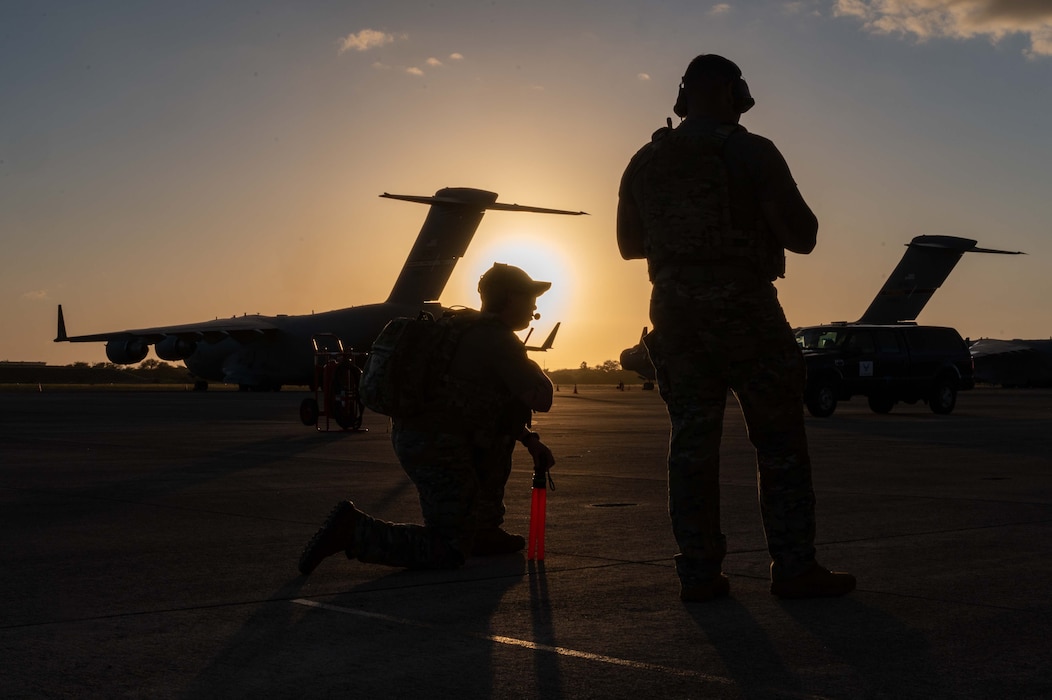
(891, 368)
(858, 355)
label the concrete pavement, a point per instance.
(150, 540)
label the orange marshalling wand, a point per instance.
(538, 512)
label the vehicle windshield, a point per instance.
(819, 338)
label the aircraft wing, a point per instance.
(238, 328)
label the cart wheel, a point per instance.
(309, 411)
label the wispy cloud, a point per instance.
(720, 8)
(959, 19)
(434, 62)
(643, 76)
(456, 57)
(365, 40)
(36, 295)
(414, 71)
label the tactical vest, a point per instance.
(686, 209)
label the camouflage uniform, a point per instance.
(718, 326)
(458, 453)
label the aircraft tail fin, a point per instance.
(926, 264)
(548, 342)
(61, 336)
(451, 223)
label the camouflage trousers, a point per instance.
(709, 339)
(460, 480)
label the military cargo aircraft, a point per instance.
(924, 266)
(265, 352)
(1013, 363)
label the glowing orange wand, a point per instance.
(538, 513)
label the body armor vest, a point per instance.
(686, 211)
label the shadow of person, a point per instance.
(746, 650)
(834, 648)
(406, 633)
(881, 650)
(410, 631)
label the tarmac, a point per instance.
(150, 541)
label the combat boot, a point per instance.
(700, 592)
(816, 582)
(336, 535)
(493, 540)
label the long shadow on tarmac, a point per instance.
(331, 638)
(755, 663)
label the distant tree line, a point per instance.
(608, 372)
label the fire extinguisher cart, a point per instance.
(336, 376)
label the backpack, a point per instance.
(409, 360)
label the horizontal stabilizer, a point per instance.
(443, 239)
(495, 206)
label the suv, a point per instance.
(886, 364)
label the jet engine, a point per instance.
(123, 351)
(175, 348)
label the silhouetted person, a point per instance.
(712, 208)
(457, 451)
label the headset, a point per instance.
(494, 295)
(743, 100)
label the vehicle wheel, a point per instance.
(821, 401)
(881, 403)
(309, 411)
(943, 396)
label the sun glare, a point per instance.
(541, 259)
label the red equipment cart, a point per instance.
(336, 376)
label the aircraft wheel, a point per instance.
(881, 403)
(943, 396)
(309, 411)
(821, 400)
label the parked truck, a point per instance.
(886, 364)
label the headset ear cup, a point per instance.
(743, 100)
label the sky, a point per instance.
(166, 163)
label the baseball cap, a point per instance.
(508, 278)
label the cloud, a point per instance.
(456, 57)
(643, 76)
(721, 8)
(36, 295)
(434, 62)
(957, 19)
(365, 40)
(414, 71)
